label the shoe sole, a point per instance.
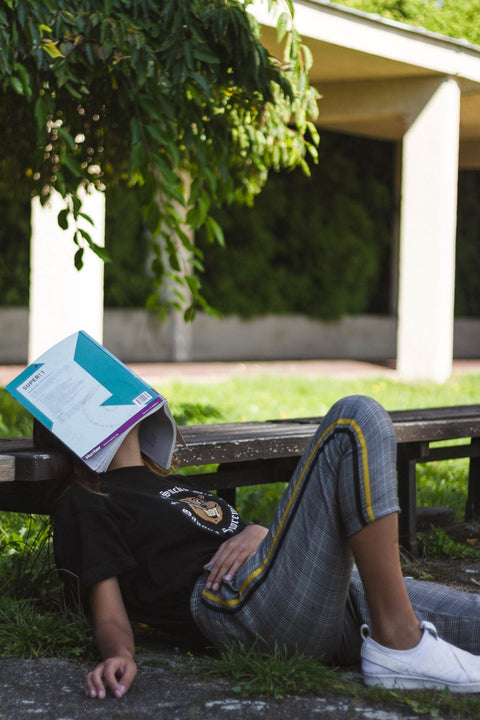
(397, 682)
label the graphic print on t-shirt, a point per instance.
(203, 509)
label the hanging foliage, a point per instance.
(152, 92)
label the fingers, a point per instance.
(222, 564)
(224, 568)
(232, 554)
(116, 674)
(93, 685)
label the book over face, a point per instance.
(90, 401)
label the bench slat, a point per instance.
(7, 468)
(241, 442)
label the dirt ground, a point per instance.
(462, 573)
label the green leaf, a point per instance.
(189, 314)
(206, 56)
(15, 83)
(51, 48)
(136, 130)
(214, 231)
(101, 252)
(24, 77)
(73, 91)
(203, 84)
(86, 217)
(62, 218)
(72, 164)
(43, 107)
(76, 206)
(155, 132)
(78, 259)
(282, 26)
(86, 236)
(138, 157)
(67, 137)
(153, 218)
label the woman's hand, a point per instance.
(115, 641)
(115, 673)
(231, 555)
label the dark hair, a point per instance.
(68, 464)
(74, 470)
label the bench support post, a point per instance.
(472, 507)
(407, 495)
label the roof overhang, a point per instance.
(357, 50)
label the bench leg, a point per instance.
(407, 495)
(472, 507)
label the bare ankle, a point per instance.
(399, 638)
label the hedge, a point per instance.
(319, 247)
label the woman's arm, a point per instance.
(232, 554)
(114, 637)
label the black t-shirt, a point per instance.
(155, 534)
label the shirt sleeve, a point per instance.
(89, 545)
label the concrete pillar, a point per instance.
(62, 298)
(427, 238)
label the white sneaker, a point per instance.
(433, 663)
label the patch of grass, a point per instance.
(443, 483)
(15, 421)
(254, 673)
(33, 619)
(268, 397)
(272, 674)
(29, 630)
(438, 542)
(195, 413)
(26, 562)
(258, 503)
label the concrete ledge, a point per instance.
(138, 336)
(293, 337)
(13, 335)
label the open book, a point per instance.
(90, 400)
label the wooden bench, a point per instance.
(264, 452)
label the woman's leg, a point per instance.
(455, 614)
(393, 622)
(294, 590)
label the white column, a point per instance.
(62, 298)
(427, 238)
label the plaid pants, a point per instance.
(298, 590)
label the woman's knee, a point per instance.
(363, 409)
(356, 404)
